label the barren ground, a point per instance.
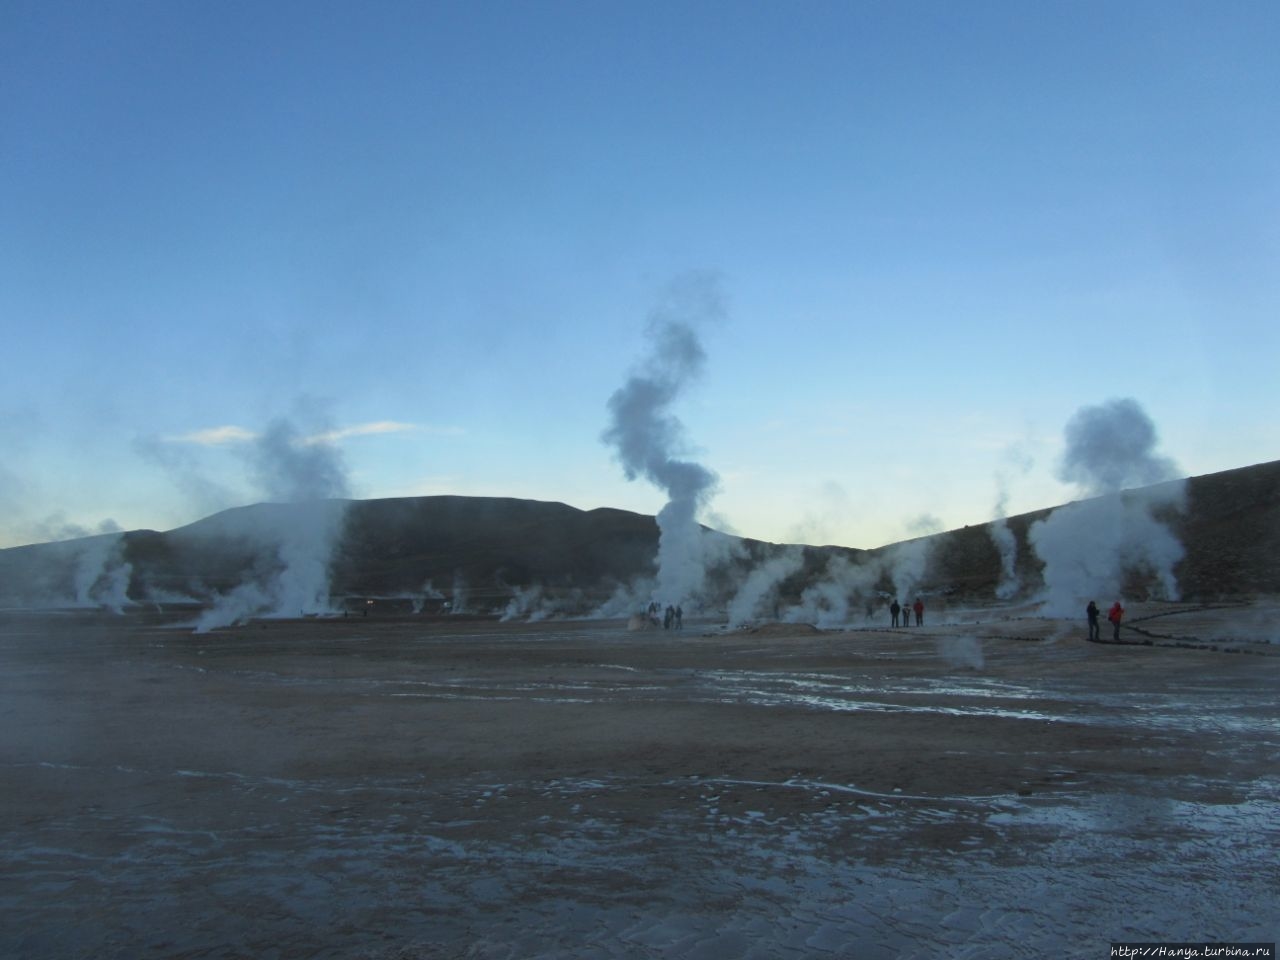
(405, 788)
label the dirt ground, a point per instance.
(407, 788)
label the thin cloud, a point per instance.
(221, 436)
(376, 428)
(215, 436)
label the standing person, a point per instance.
(679, 617)
(1092, 612)
(668, 615)
(919, 609)
(1115, 615)
(893, 611)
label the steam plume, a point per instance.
(1088, 546)
(287, 467)
(533, 603)
(1111, 447)
(648, 439)
(102, 575)
(188, 472)
(907, 563)
(828, 602)
(426, 592)
(74, 566)
(1004, 539)
(760, 589)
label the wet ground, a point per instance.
(403, 788)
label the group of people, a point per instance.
(896, 609)
(1115, 615)
(672, 617)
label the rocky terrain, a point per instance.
(409, 788)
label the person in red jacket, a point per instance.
(919, 609)
(1115, 615)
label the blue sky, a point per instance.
(438, 230)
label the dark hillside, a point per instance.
(493, 544)
(1230, 530)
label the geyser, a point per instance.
(649, 439)
(1087, 547)
(309, 473)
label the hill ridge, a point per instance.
(1230, 529)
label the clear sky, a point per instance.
(438, 229)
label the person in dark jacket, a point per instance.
(893, 612)
(1091, 611)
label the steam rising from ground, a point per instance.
(533, 603)
(102, 575)
(1007, 543)
(288, 466)
(89, 570)
(758, 595)
(828, 602)
(649, 439)
(1004, 539)
(1088, 546)
(961, 651)
(425, 593)
(907, 563)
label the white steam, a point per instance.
(1005, 540)
(1087, 547)
(526, 603)
(758, 595)
(310, 475)
(461, 595)
(88, 571)
(649, 440)
(627, 599)
(907, 563)
(426, 592)
(533, 603)
(961, 651)
(828, 602)
(1007, 544)
(1111, 447)
(289, 467)
(102, 576)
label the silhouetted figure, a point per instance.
(1092, 611)
(679, 617)
(1115, 615)
(668, 615)
(919, 609)
(893, 612)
